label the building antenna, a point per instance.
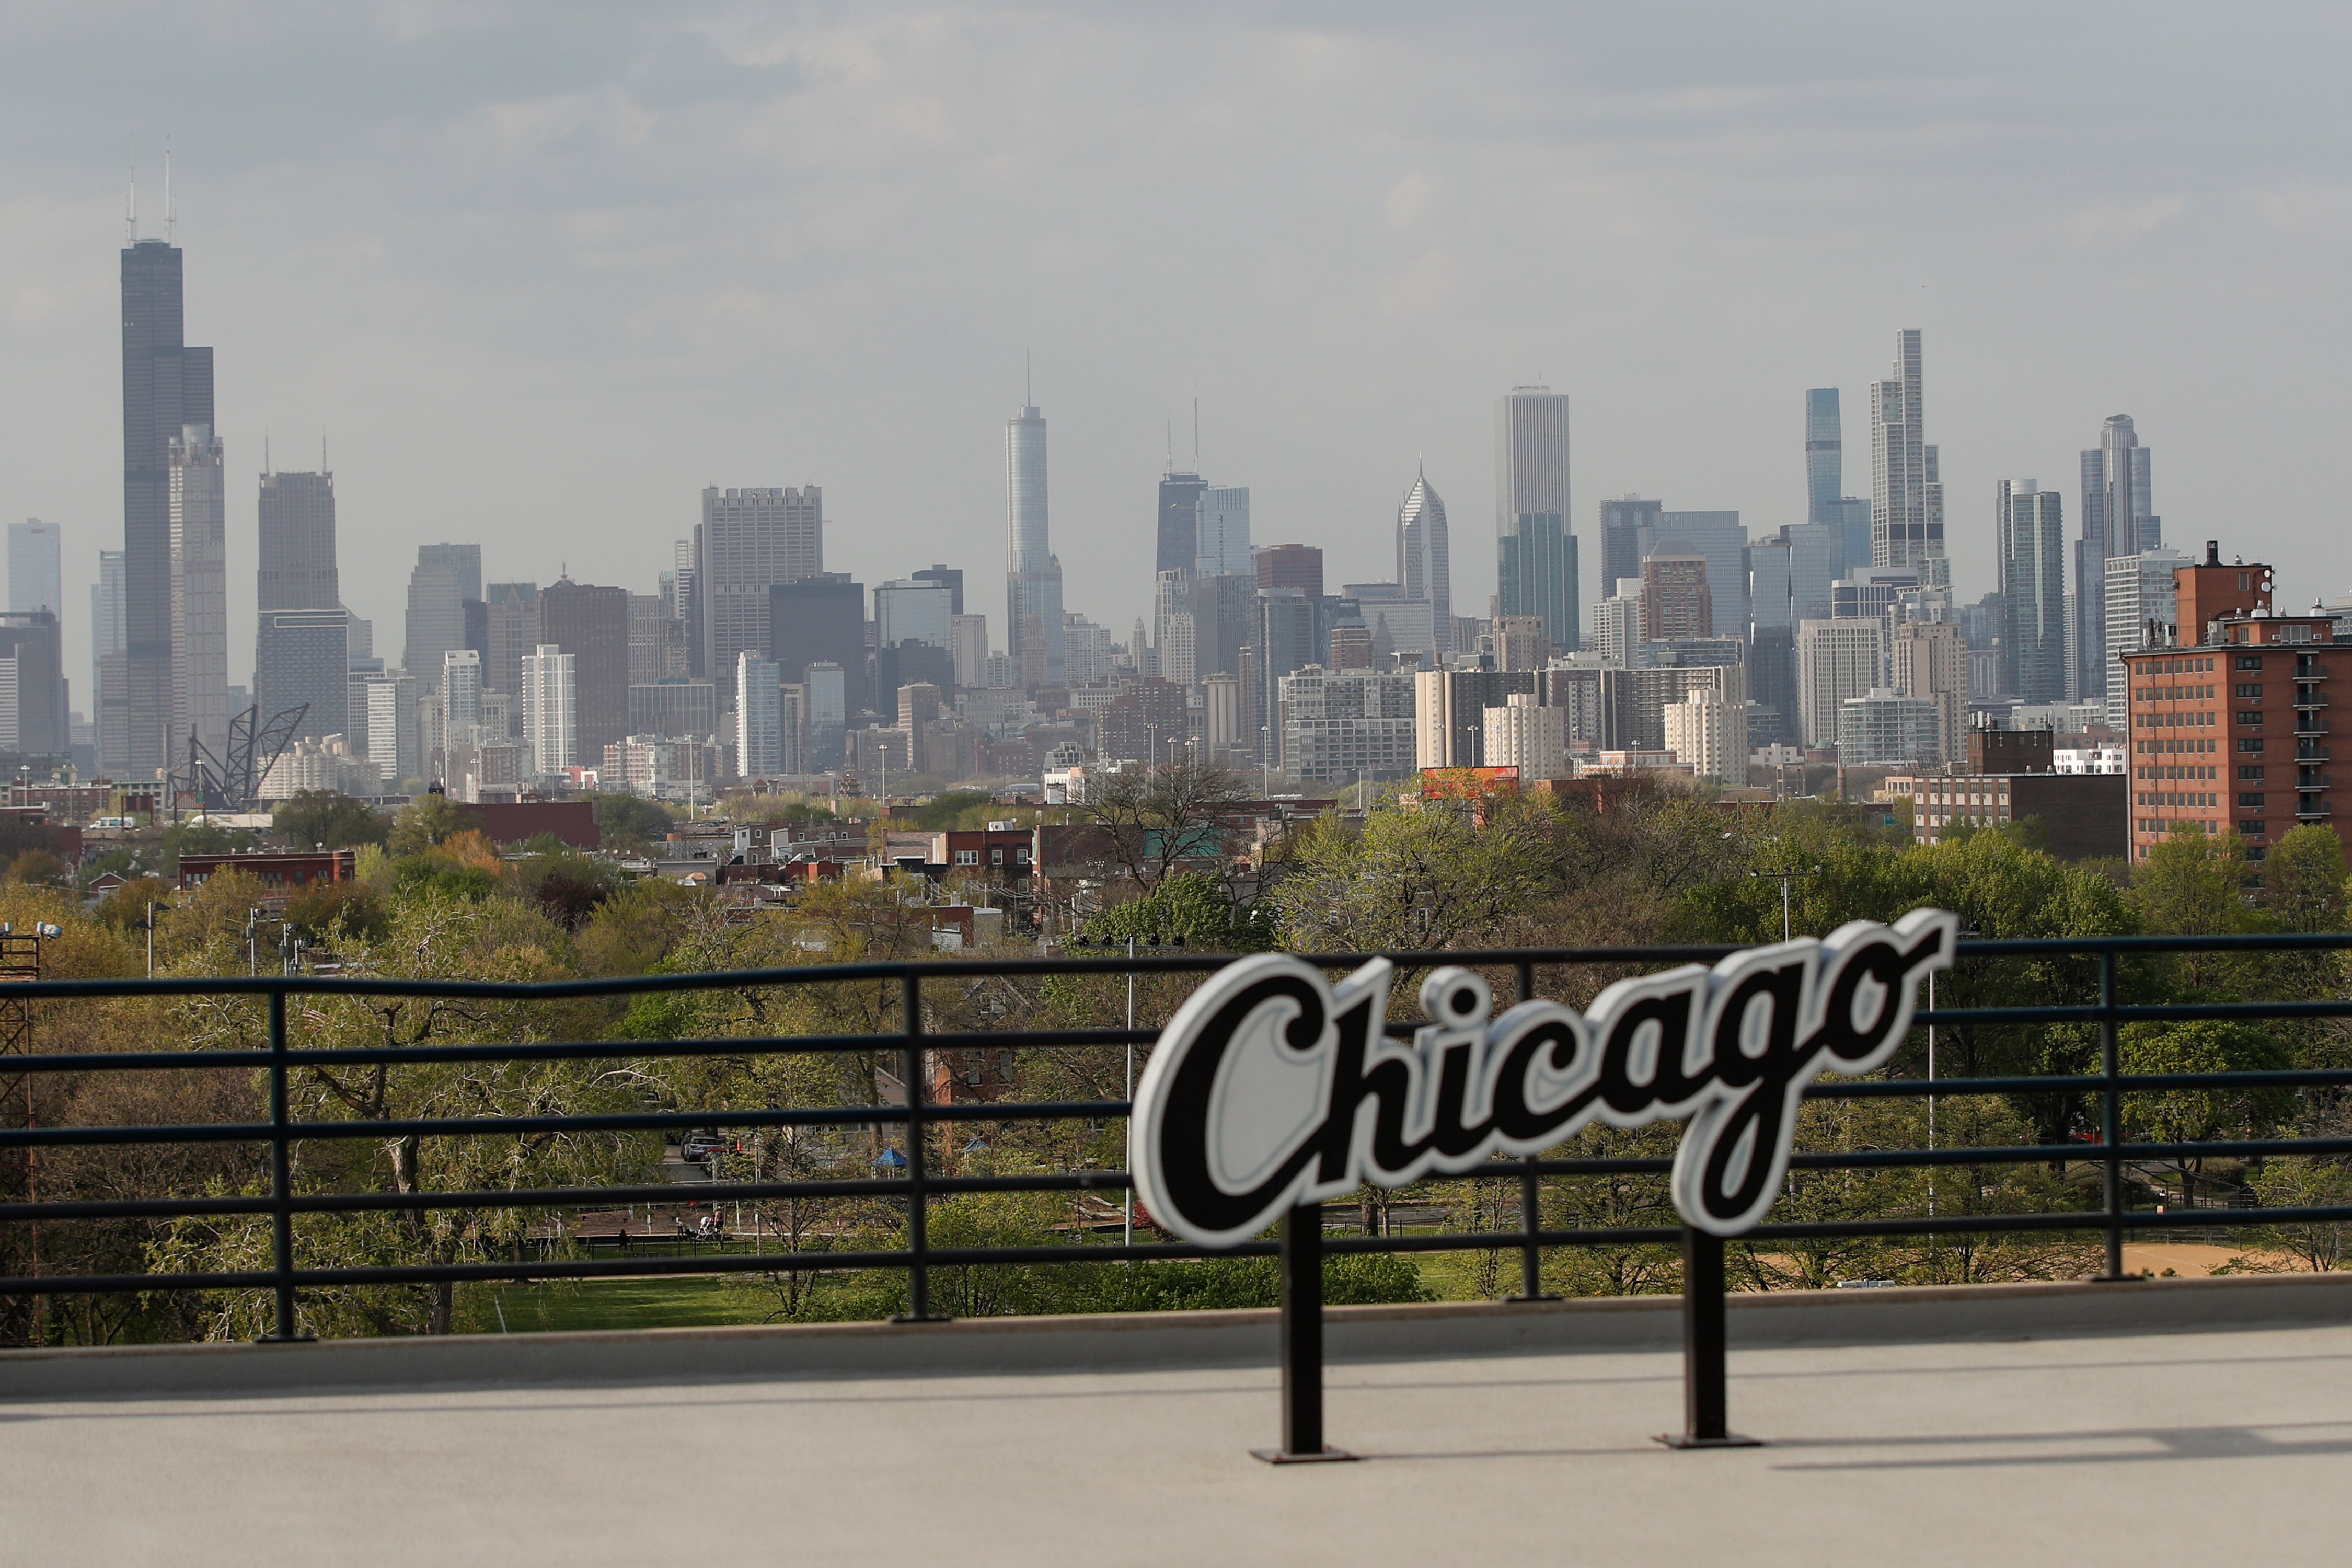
(322, 448)
(1171, 444)
(264, 450)
(1028, 392)
(1196, 433)
(170, 214)
(130, 207)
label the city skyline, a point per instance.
(661, 254)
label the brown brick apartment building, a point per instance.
(2229, 719)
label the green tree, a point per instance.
(1198, 910)
(2202, 1115)
(1433, 874)
(328, 818)
(2303, 879)
(630, 822)
(424, 823)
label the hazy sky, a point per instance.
(540, 273)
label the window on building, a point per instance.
(2251, 716)
(2250, 661)
(2250, 742)
(2253, 801)
(2249, 689)
(967, 856)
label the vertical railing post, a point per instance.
(919, 1270)
(1530, 1193)
(2111, 1116)
(281, 1173)
(1302, 1341)
(1705, 1399)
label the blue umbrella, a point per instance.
(891, 1160)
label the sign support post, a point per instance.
(1302, 1343)
(1705, 1404)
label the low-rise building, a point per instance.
(2082, 815)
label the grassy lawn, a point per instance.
(696, 1302)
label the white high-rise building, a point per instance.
(2140, 588)
(1708, 735)
(1032, 577)
(1522, 733)
(759, 717)
(461, 693)
(750, 540)
(1424, 564)
(199, 522)
(1836, 659)
(1929, 661)
(1906, 509)
(1176, 634)
(551, 719)
(35, 580)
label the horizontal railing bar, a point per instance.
(939, 1257)
(572, 1051)
(1157, 962)
(492, 1126)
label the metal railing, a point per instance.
(1302, 1242)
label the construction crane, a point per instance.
(253, 748)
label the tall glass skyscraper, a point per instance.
(1906, 511)
(2119, 519)
(2031, 535)
(167, 388)
(34, 571)
(1424, 566)
(1032, 577)
(1824, 453)
(1535, 565)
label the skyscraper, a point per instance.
(1033, 576)
(759, 717)
(1220, 539)
(548, 722)
(1846, 517)
(105, 655)
(821, 620)
(167, 388)
(1824, 453)
(33, 719)
(1718, 536)
(301, 648)
(1180, 513)
(1621, 522)
(298, 542)
(1425, 568)
(512, 610)
(591, 625)
(750, 540)
(197, 524)
(2119, 519)
(2031, 535)
(34, 573)
(1906, 509)
(445, 579)
(1537, 565)
(301, 658)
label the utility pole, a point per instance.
(1787, 874)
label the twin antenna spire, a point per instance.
(130, 205)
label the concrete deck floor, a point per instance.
(2158, 1448)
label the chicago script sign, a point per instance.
(1272, 1088)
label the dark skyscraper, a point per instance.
(820, 620)
(592, 624)
(949, 577)
(167, 385)
(1621, 522)
(300, 652)
(1180, 521)
(298, 543)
